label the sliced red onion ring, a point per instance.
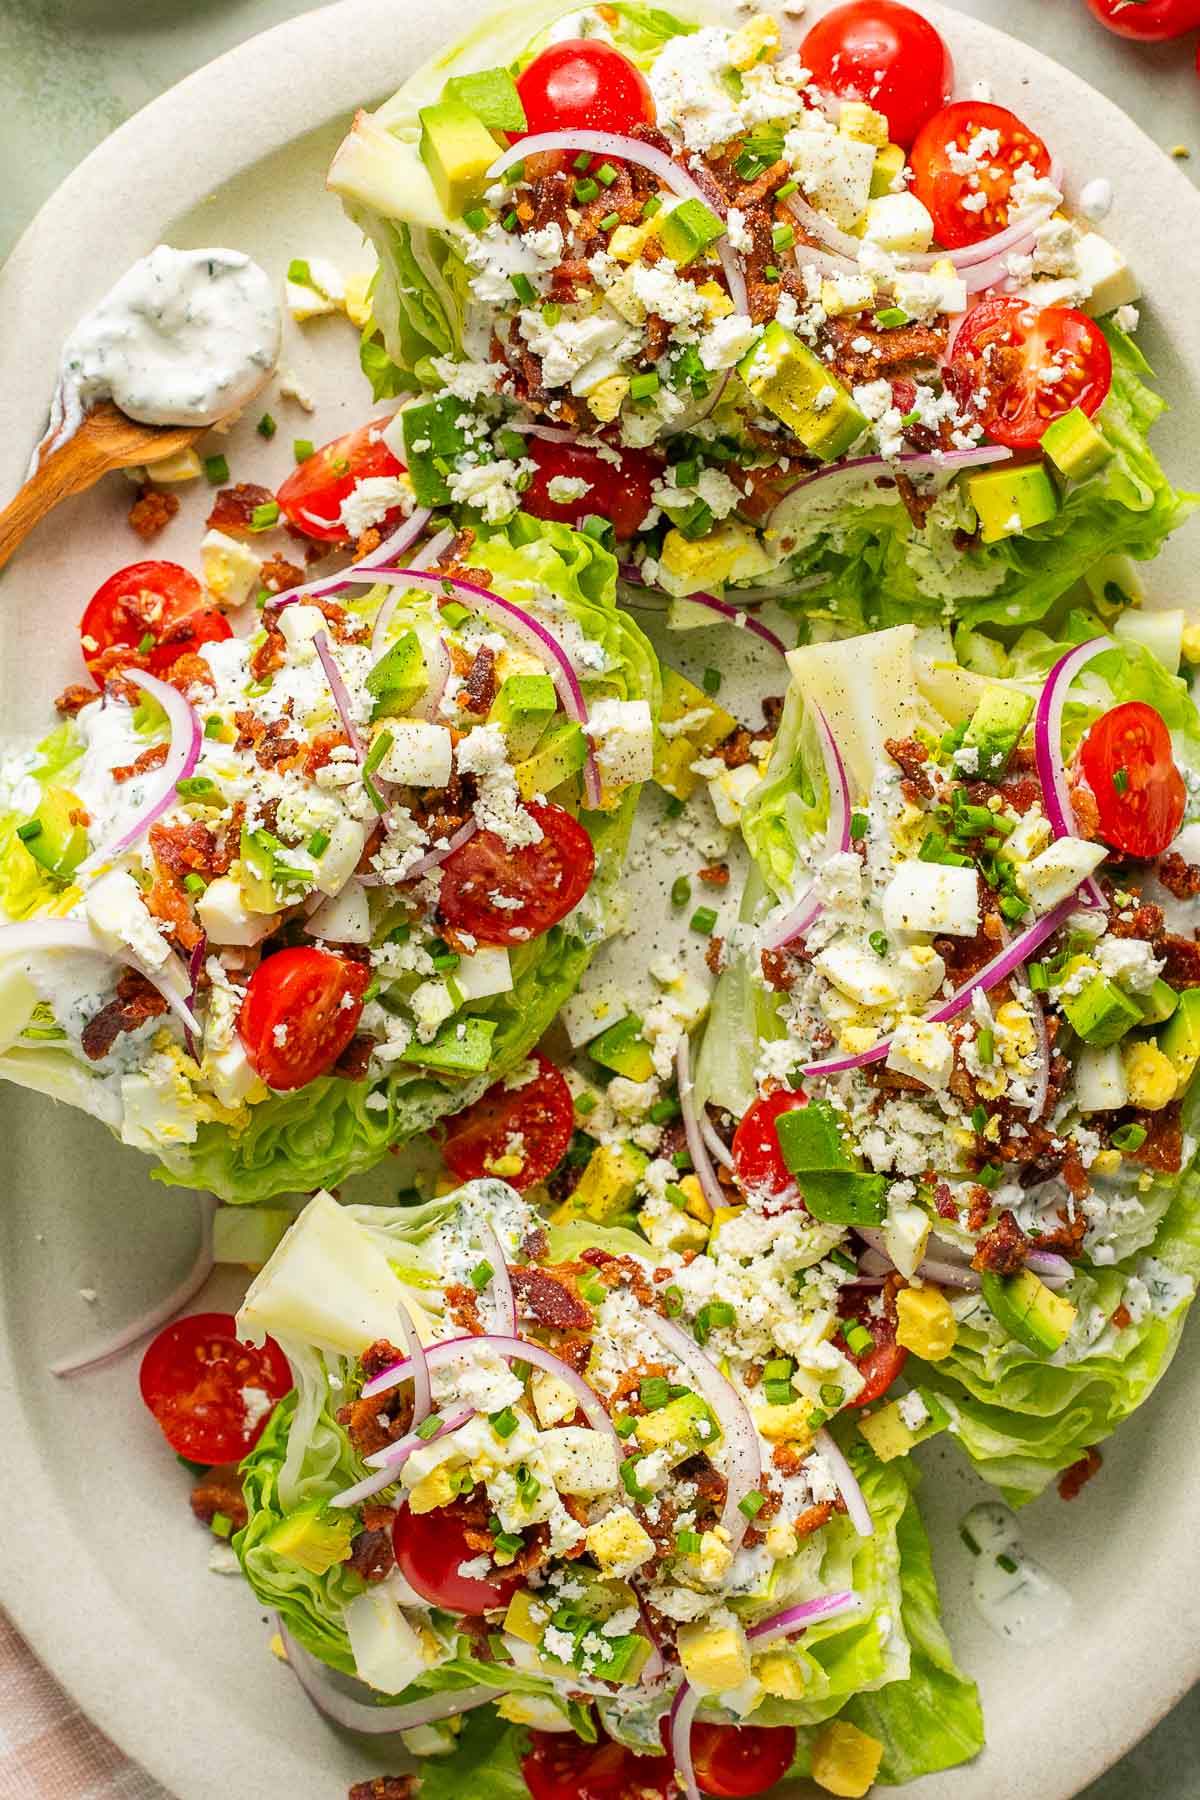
(843, 247)
(183, 753)
(388, 1463)
(799, 1618)
(806, 909)
(1041, 1087)
(1047, 746)
(170, 978)
(422, 1394)
(610, 143)
(743, 1456)
(179, 1297)
(655, 1666)
(453, 1349)
(500, 1286)
(359, 1715)
(1055, 1270)
(988, 250)
(714, 1142)
(195, 966)
(857, 1510)
(697, 1149)
(438, 856)
(423, 560)
(341, 696)
(915, 462)
(631, 573)
(683, 1712)
(876, 1262)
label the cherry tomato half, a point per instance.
(311, 497)
(733, 1762)
(618, 491)
(559, 1766)
(205, 1388)
(1127, 762)
(300, 1010)
(158, 604)
(547, 879)
(1003, 349)
(880, 1365)
(1151, 21)
(886, 55)
(540, 1115)
(757, 1159)
(583, 84)
(429, 1548)
(999, 143)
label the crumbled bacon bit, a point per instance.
(234, 507)
(386, 1787)
(1004, 1249)
(777, 970)
(220, 1491)
(1162, 1148)
(372, 1555)
(135, 1001)
(910, 758)
(813, 1519)
(462, 1303)
(715, 874)
(1072, 1481)
(1122, 1318)
(278, 575)
(153, 758)
(73, 699)
(355, 1060)
(152, 512)
(479, 689)
(1179, 877)
(714, 955)
(734, 751)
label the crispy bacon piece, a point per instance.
(371, 1553)
(479, 689)
(1162, 1148)
(734, 751)
(220, 1491)
(271, 654)
(620, 1271)
(714, 955)
(1182, 961)
(551, 1298)
(234, 507)
(153, 758)
(386, 1787)
(813, 1519)
(135, 1001)
(885, 352)
(353, 1063)
(74, 698)
(910, 758)
(1072, 1481)
(777, 969)
(715, 874)
(1004, 1249)
(152, 512)
(1179, 877)
(278, 575)
(462, 1303)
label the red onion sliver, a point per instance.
(341, 697)
(876, 1263)
(799, 1618)
(388, 1463)
(837, 838)
(158, 1315)
(683, 1712)
(714, 1142)
(743, 1455)
(845, 249)
(422, 1394)
(452, 1349)
(655, 1666)
(195, 965)
(359, 1715)
(434, 858)
(423, 560)
(631, 573)
(1047, 746)
(1041, 1088)
(500, 1287)
(915, 462)
(697, 1149)
(170, 977)
(857, 1510)
(1050, 1265)
(183, 753)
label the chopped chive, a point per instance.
(687, 1543)
(585, 191)
(662, 1111)
(212, 725)
(610, 221)
(509, 221)
(831, 1395)
(217, 469)
(890, 317)
(683, 1161)
(789, 187)
(476, 219)
(703, 920)
(859, 825)
(985, 1044)
(674, 806)
(264, 516)
(673, 1297)
(221, 1524)
(514, 176)
(552, 312)
(318, 843)
(430, 1427)
(593, 1291)
(990, 1176)
(507, 1543)
(711, 681)
(481, 1274)
(523, 288)
(266, 426)
(605, 174)
(751, 1505)
(779, 1393)
(858, 1338)
(585, 1104)
(770, 272)
(1039, 980)
(675, 1196)
(582, 162)
(146, 643)
(302, 449)
(32, 828)
(1128, 1137)
(1120, 780)
(979, 1118)
(681, 891)
(782, 237)
(642, 386)
(504, 1422)
(195, 884)
(654, 1391)
(1007, 1563)
(624, 1424)
(879, 942)
(196, 787)
(651, 206)
(299, 272)
(968, 1540)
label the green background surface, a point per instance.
(72, 70)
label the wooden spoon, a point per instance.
(106, 440)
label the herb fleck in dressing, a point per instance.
(1013, 1593)
(186, 337)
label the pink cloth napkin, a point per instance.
(48, 1749)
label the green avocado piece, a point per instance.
(463, 1046)
(492, 96)
(432, 436)
(561, 754)
(1074, 445)
(458, 150)
(682, 1428)
(57, 843)
(624, 1050)
(524, 707)
(995, 727)
(398, 678)
(688, 230)
(313, 1538)
(1180, 1037)
(1028, 1310)
(889, 1436)
(257, 875)
(889, 161)
(1159, 1004)
(810, 1140)
(785, 376)
(1010, 501)
(845, 1199)
(1101, 1013)
(605, 1190)
(675, 754)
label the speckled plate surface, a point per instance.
(101, 1565)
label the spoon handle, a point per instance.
(74, 466)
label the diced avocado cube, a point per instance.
(257, 852)
(1100, 1012)
(624, 1050)
(889, 161)
(688, 230)
(890, 1436)
(682, 1428)
(524, 707)
(607, 1186)
(854, 1199)
(433, 440)
(603, 1595)
(995, 728)
(811, 1139)
(1028, 1310)
(790, 381)
(625, 1657)
(675, 753)
(312, 1537)
(492, 96)
(463, 1046)
(61, 844)
(527, 1617)
(1074, 445)
(1011, 500)
(399, 677)
(458, 150)
(1159, 1004)
(1180, 1037)
(561, 754)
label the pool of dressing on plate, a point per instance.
(1012, 1592)
(186, 337)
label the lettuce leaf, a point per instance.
(486, 1765)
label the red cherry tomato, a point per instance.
(757, 1159)
(156, 601)
(1127, 762)
(558, 1766)
(204, 1387)
(1151, 21)
(548, 879)
(429, 1548)
(880, 1365)
(620, 492)
(885, 54)
(541, 1114)
(947, 194)
(300, 1010)
(735, 1761)
(583, 84)
(1001, 353)
(311, 497)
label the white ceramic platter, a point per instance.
(101, 1563)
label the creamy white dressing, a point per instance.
(1013, 1593)
(186, 337)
